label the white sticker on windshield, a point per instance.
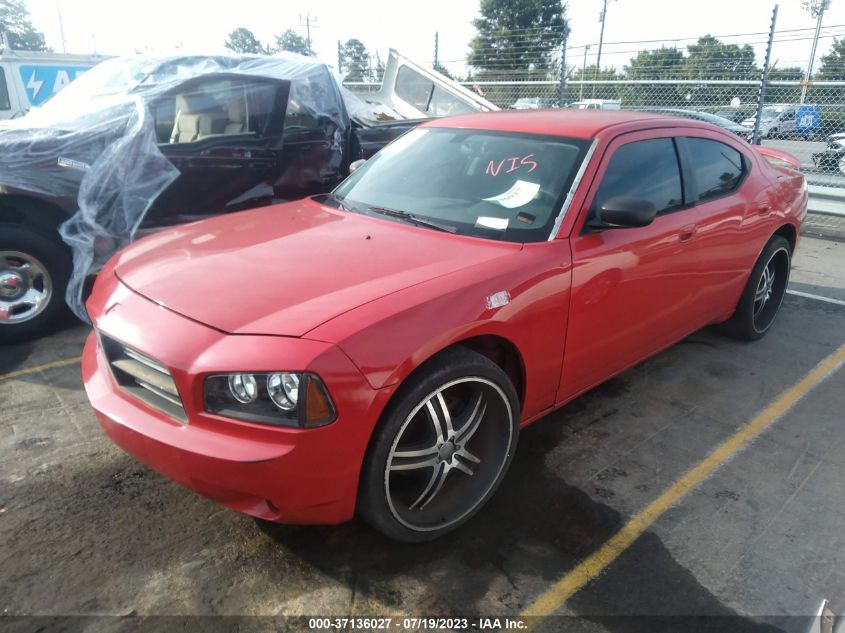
(500, 224)
(521, 193)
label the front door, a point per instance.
(223, 133)
(632, 288)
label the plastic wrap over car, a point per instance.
(94, 150)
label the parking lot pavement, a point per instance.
(86, 530)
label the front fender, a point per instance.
(390, 337)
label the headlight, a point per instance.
(283, 390)
(279, 398)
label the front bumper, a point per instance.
(281, 474)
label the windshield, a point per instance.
(498, 185)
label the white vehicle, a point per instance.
(775, 121)
(412, 91)
(596, 104)
(28, 79)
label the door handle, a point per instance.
(687, 232)
(763, 208)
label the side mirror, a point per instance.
(625, 212)
(356, 164)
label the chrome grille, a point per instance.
(143, 377)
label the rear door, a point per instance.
(732, 207)
(223, 133)
(632, 288)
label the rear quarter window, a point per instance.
(718, 168)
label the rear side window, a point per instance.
(4, 92)
(644, 169)
(718, 168)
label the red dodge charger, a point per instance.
(379, 348)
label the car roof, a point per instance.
(585, 124)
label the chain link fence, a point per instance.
(808, 131)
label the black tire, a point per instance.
(773, 134)
(751, 319)
(47, 250)
(444, 494)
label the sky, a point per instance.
(118, 27)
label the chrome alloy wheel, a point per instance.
(25, 287)
(770, 289)
(448, 454)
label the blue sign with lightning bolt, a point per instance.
(43, 81)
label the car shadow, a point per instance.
(64, 342)
(535, 529)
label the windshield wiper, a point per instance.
(410, 217)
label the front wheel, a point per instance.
(760, 301)
(34, 272)
(441, 448)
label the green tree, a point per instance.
(661, 63)
(291, 41)
(517, 36)
(833, 64)
(442, 70)
(243, 40)
(787, 73)
(711, 59)
(577, 91)
(16, 23)
(355, 60)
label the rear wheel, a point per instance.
(760, 301)
(441, 448)
(34, 272)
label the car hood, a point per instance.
(285, 269)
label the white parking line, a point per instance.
(807, 295)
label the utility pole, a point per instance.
(602, 18)
(307, 26)
(764, 79)
(583, 73)
(436, 50)
(61, 27)
(339, 57)
(816, 9)
(561, 96)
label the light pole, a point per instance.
(61, 27)
(602, 18)
(816, 9)
(583, 73)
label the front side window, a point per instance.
(498, 185)
(718, 168)
(4, 92)
(214, 108)
(644, 169)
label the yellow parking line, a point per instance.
(553, 598)
(64, 362)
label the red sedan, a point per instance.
(378, 349)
